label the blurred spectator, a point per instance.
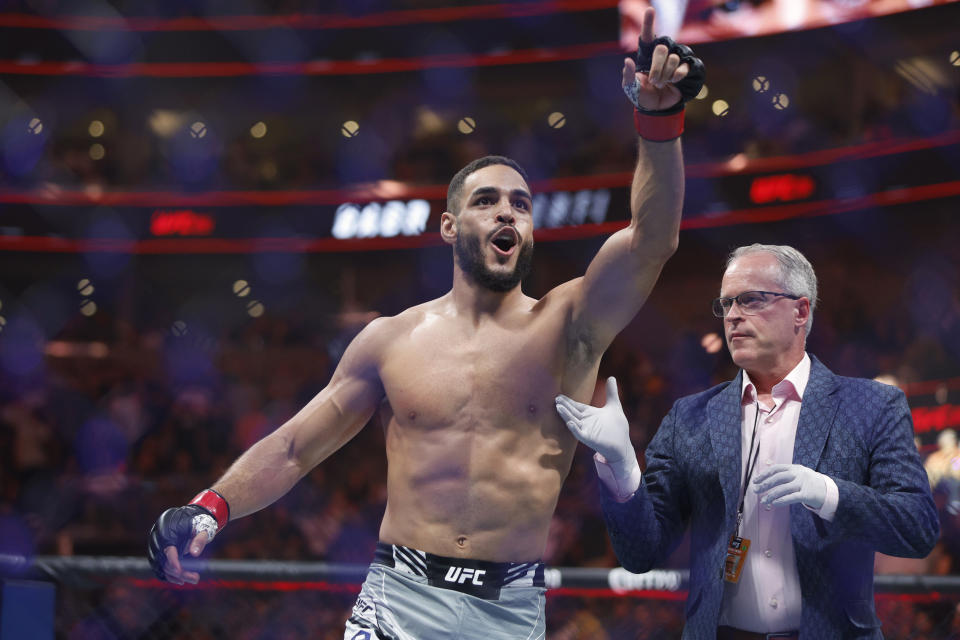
(943, 468)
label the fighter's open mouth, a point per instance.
(505, 239)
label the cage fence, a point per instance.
(110, 598)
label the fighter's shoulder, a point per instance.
(562, 294)
(379, 331)
(385, 329)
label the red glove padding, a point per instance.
(215, 504)
(658, 126)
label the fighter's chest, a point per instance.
(444, 374)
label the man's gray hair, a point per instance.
(796, 273)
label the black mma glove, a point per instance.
(178, 526)
(689, 86)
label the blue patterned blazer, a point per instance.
(856, 431)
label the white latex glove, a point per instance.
(791, 483)
(605, 430)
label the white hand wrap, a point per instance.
(631, 91)
(205, 523)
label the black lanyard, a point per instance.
(751, 462)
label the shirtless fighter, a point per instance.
(465, 386)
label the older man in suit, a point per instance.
(789, 476)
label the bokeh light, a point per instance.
(721, 108)
(241, 288)
(258, 130)
(198, 129)
(887, 379)
(738, 162)
(467, 125)
(268, 169)
(711, 343)
(95, 129)
(350, 129)
(85, 287)
(164, 122)
(97, 152)
(255, 308)
(556, 120)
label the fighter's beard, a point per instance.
(471, 260)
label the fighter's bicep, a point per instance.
(342, 408)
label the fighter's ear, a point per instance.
(448, 227)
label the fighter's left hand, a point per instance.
(663, 63)
(791, 483)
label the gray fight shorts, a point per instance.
(413, 595)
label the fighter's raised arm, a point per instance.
(621, 276)
(270, 468)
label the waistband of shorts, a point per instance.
(476, 577)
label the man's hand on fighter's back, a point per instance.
(668, 73)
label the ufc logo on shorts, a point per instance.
(461, 575)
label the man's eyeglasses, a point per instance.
(750, 302)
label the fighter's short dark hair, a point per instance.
(455, 190)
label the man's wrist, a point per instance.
(622, 478)
(828, 510)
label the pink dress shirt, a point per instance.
(767, 598)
